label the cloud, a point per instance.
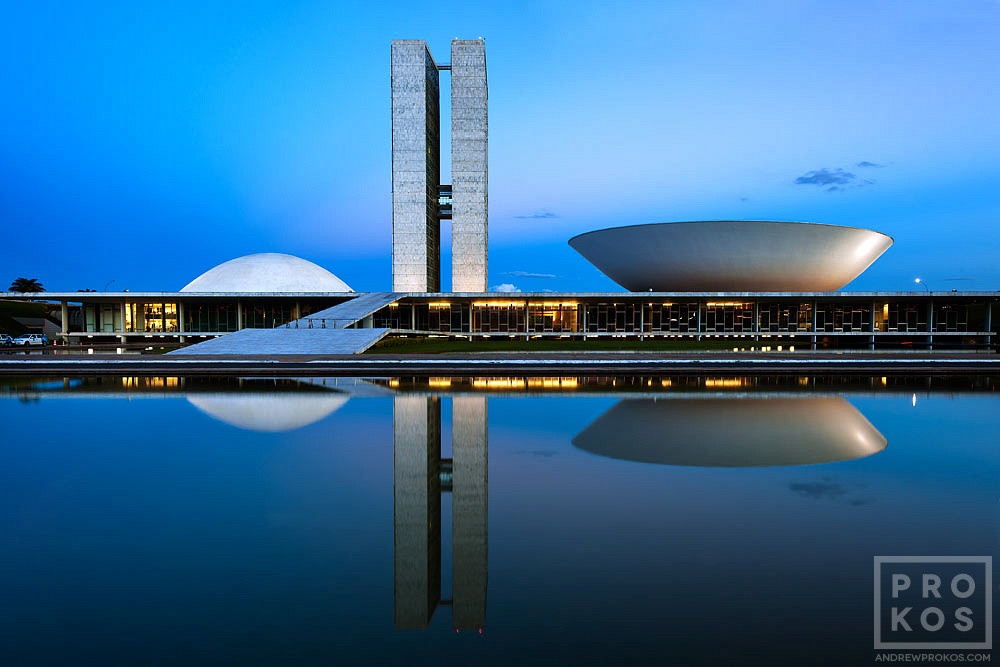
(827, 488)
(528, 274)
(537, 215)
(538, 453)
(865, 164)
(833, 177)
(817, 490)
(505, 287)
(834, 180)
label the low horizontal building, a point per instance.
(825, 319)
(272, 291)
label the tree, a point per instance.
(26, 285)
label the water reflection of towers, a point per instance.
(420, 477)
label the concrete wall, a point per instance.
(469, 139)
(416, 168)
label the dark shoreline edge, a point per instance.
(513, 365)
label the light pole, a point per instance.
(921, 282)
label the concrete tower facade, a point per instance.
(469, 138)
(416, 168)
(419, 200)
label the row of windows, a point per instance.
(689, 317)
(197, 317)
(554, 317)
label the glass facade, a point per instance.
(210, 317)
(852, 320)
(843, 318)
(266, 315)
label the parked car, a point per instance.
(32, 339)
(5, 340)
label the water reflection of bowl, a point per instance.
(732, 255)
(268, 412)
(732, 432)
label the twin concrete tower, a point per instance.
(419, 199)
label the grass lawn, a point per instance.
(395, 345)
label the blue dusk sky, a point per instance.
(145, 142)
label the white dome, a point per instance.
(267, 272)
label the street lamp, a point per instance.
(921, 282)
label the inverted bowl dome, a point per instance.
(732, 255)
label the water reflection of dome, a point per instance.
(732, 432)
(268, 412)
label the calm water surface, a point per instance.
(172, 521)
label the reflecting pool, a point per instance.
(666, 520)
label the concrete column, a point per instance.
(64, 314)
(988, 325)
(416, 510)
(469, 512)
(930, 324)
(814, 326)
(180, 322)
(239, 315)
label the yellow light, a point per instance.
(439, 382)
(504, 383)
(553, 304)
(726, 383)
(498, 383)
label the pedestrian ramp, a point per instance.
(325, 332)
(247, 342)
